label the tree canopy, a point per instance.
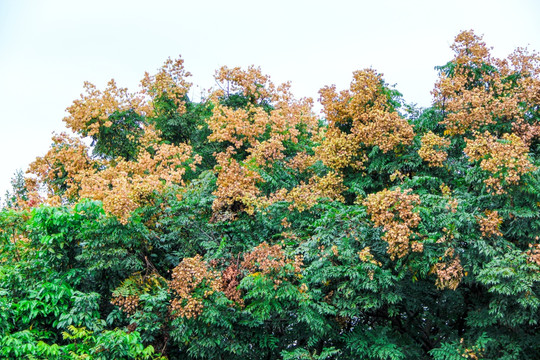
(244, 226)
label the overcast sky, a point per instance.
(48, 48)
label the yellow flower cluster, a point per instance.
(473, 353)
(393, 210)
(191, 274)
(127, 295)
(432, 151)
(365, 255)
(506, 159)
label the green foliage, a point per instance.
(18, 191)
(186, 127)
(121, 138)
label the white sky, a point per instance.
(48, 48)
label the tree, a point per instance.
(245, 227)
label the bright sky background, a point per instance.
(48, 48)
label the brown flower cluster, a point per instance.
(476, 93)
(452, 205)
(339, 150)
(270, 261)
(229, 284)
(91, 112)
(533, 254)
(305, 196)
(259, 132)
(448, 236)
(263, 135)
(449, 274)
(301, 161)
(432, 149)
(88, 114)
(236, 186)
(360, 115)
(124, 185)
(129, 303)
(251, 83)
(490, 224)
(192, 281)
(506, 159)
(62, 168)
(384, 129)
(170, 80)
(417, 246)
(393, 210)
(68, 171)
(245, 126)
(237, 126)
(527, 132)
